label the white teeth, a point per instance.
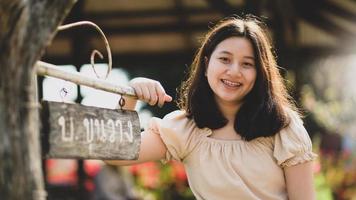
(230, 83)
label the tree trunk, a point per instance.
(26, 27)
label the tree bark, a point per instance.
(26, 27)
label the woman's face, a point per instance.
(231, 71)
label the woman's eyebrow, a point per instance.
(225, 52)
(250, 57)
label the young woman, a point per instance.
(237, 132)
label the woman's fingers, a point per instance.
(146, 93)
(162, 96)
(138, 92)
(167, 98)
(153, 95)
(150, 91)
(138, 85)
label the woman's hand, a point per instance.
(150, 91)
(152, 147)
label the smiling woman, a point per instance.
(237, 132)
(260, 111)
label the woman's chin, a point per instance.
(230, 99)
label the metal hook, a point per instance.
(63, 93)
(92, 56)
(121, 102)
(95, 52)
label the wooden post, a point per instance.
(26, 27)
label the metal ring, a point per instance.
(121, 102)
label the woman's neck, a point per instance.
(229, 110)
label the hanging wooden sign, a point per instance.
(77, 131)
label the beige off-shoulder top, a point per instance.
(233, 169)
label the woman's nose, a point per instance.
(235, 69)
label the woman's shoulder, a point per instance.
(293, 141)
(294, 130)
(178, 132)
(176, 115)
(178, 119)
(293, 114)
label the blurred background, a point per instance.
(316, 46)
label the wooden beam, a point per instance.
(224, 7)
(46, 69)
(338, 10)
(143, 28)
(145, 13)
(183, 21)
(312, 12)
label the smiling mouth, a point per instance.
(231, 83)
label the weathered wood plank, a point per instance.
(77, 131)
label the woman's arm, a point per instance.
(300, 182)
(152, 147)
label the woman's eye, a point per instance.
(247, 65)
(224, 59)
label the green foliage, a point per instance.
(323, 190)
(329, 93)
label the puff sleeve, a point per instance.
(177, 133)
(292, 145)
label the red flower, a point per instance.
(178, 171)
(148, 174)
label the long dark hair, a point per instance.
(263, 112)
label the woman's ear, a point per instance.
(206, 61)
